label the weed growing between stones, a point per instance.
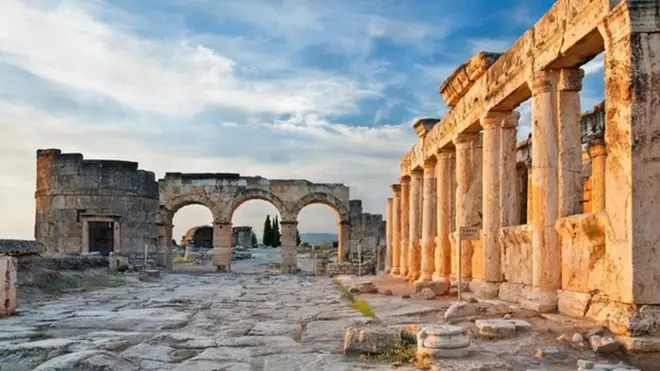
(357, 304)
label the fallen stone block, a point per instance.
(604, 344)
(442, 341)
(425, 294)
(496, 328)
(437, 287)
(363, 288)
(574, 304)
(551, 353)
(371, 340)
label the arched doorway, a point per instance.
(341, 211)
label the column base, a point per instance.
(485, 289)
(441, 278)
(465, 284)
(426, 277)
(413, 276)
(539, 301)
(222, 258)
(395, 271)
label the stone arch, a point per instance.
(326, 199)
(258, 194)
(174, 204)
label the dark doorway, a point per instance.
(101, 237)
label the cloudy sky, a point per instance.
(314, 89)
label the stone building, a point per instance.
(242, 236)
(94, 205)
(566, 219)
(111, 206)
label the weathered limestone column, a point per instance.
(415, 225)
(468, 192)
(598, 154)
(429, 223)
(509, 192)
(497, 193)
(530, 187)
(405, 224)
(396, 229)
(446, 207)
(289, 255)
(342, 239)
(222, 246)
(388, 235)
(569, 147)
(632, 69)
(546, 255)
(7, 286)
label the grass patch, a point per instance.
(356, 303)
(362, 307)
(180, 260)
(404, 354)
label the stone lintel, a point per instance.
(459, 82)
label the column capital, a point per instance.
(416, 173)
(570, 79)
(429, 164)
(543, 82)
(344, 222)
(405, 180)
(597, 147)
(221, 223)
(390, 199)
(466, 138)
(289, 222)
(396, 188)
(446, 153)
(503, 119)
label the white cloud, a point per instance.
(595, 65)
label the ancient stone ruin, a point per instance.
(565, 219)
(112, 206)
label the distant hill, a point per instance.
(318, 238)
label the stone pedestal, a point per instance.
(222, 246)
(442, 341)
(7, 286)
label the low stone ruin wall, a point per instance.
(7, 286)
(64, 261)
(350, 268)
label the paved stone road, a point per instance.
(187, 322)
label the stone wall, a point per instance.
(7, 286)
(20, 247)
(73, 192)
(350, 268)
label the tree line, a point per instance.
(272, 235)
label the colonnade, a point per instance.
(473, 182)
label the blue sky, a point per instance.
(322, 90)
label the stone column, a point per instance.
(530, 186)
(509, 188)
(388, 235)
(446, 206)
(598, 154)
(429, 223)
(8, 281)
(396, 229)
(342, 239)
(546, 255)
(405, 224)
(415, 226)
(289, 254)
(222, 246)
(468, 192)
(569, 146)
(632, 70)
(497, 194)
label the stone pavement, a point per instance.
(187, 322)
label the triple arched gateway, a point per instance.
(224, 193)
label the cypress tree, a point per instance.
(276, 233)
(268, 232)
(254, 240)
